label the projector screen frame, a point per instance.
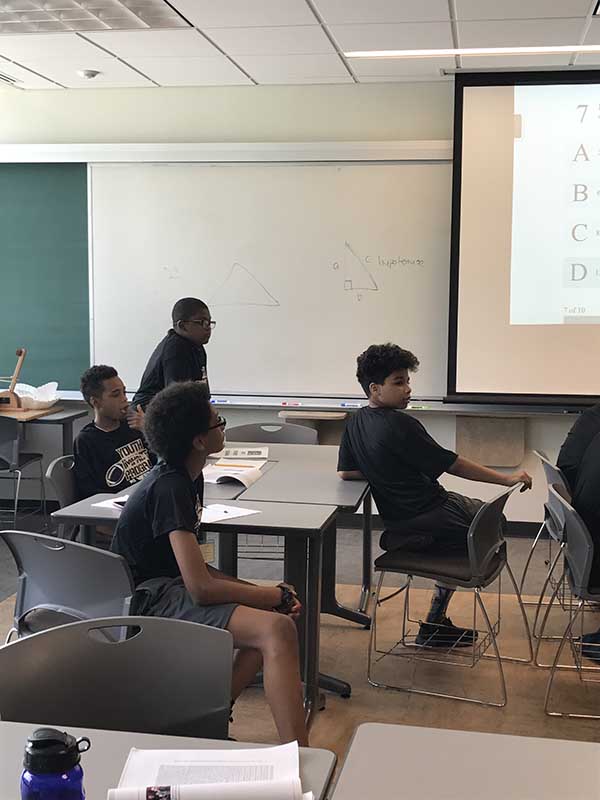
(544, 77)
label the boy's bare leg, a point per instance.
(274, 636)
(246, 664)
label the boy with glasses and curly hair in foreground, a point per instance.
(159, 535)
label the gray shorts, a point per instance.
(168, 597)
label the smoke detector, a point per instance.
(89, 74)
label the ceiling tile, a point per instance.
(192, 71)
(113, 73)
(593, 35)
(295, 69)
(345, 12)
(520, 33)
(155, 44)
(46, 45)
(405, 78)
(26, 79)
(244, 13)
(409, 36)
(514, 61)
(520, 9)
(399, 67)
(289, 40)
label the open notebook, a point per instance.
(245, 472)
(262, 773)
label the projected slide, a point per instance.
(555, 242)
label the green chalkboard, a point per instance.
(44, 301)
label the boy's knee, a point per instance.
(281, 630)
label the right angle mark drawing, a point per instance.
(357, 276)
(242, 288)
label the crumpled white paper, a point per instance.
(37, 397)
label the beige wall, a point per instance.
(401, 111)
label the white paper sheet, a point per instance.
(114, 502)
(270, 773)
(246, 473)
(216, 512)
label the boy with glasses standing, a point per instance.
(180, 356)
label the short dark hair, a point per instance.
(92, 381)
(174, 417)
(186, 307)
(380, 360)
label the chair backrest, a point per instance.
(167, 677)
(554, 514)
(273, 432)
(62, 479)
(9, 443)
(80, 581)
(579, 547)
(486, 533)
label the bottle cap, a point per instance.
(49, 750)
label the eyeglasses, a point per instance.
(220, 423)
(205, 323)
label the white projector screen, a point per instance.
(525, 299)
(302, 265)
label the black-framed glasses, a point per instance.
(205, 323)
(220, 423)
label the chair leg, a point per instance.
(529, 557)
(17, 489)
(9, 635)
(555, 667)
(43, 508)
(544, 587)
(525, 621)
(541, 637)
(490, 627)
(373, 632)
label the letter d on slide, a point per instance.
(578, 272)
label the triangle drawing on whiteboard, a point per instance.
(357, 276)
(241, 288)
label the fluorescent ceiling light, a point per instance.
(475, 51)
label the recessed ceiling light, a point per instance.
(475, 51)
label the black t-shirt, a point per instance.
(586, 490)
(174, 359)
(399, 459)
(166, 500)
(579, 437)
(109, 461)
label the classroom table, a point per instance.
(307, 526)
(401, 760)
(308, 474)
(65, 418)
(104, 761)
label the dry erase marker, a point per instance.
(418, 408)
(286, 403)
(350, 405)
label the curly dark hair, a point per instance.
(380, 360)
(92, 381)
(174, 417)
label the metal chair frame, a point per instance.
(9, 463)
(578, 557)
(454, 656)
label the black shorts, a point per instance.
(168, 597)
(443, 528)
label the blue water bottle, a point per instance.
(52, 770)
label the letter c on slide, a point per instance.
(574, 232)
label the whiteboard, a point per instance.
(303, 267)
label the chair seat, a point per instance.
(42, 619)
(436, 565)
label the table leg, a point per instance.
(87, 534)
(313, 618)
(295, 572)
(367, 554)
(67, 437)
(329, 603)
(228, 553)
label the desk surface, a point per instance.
(31, 414)
(63, 415)
(305, 473)
(105, 760)
(279, 517)
(458, 765)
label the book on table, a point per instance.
(225, 470)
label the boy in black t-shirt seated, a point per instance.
(110, 452)
(159, 535)
(402, 463)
